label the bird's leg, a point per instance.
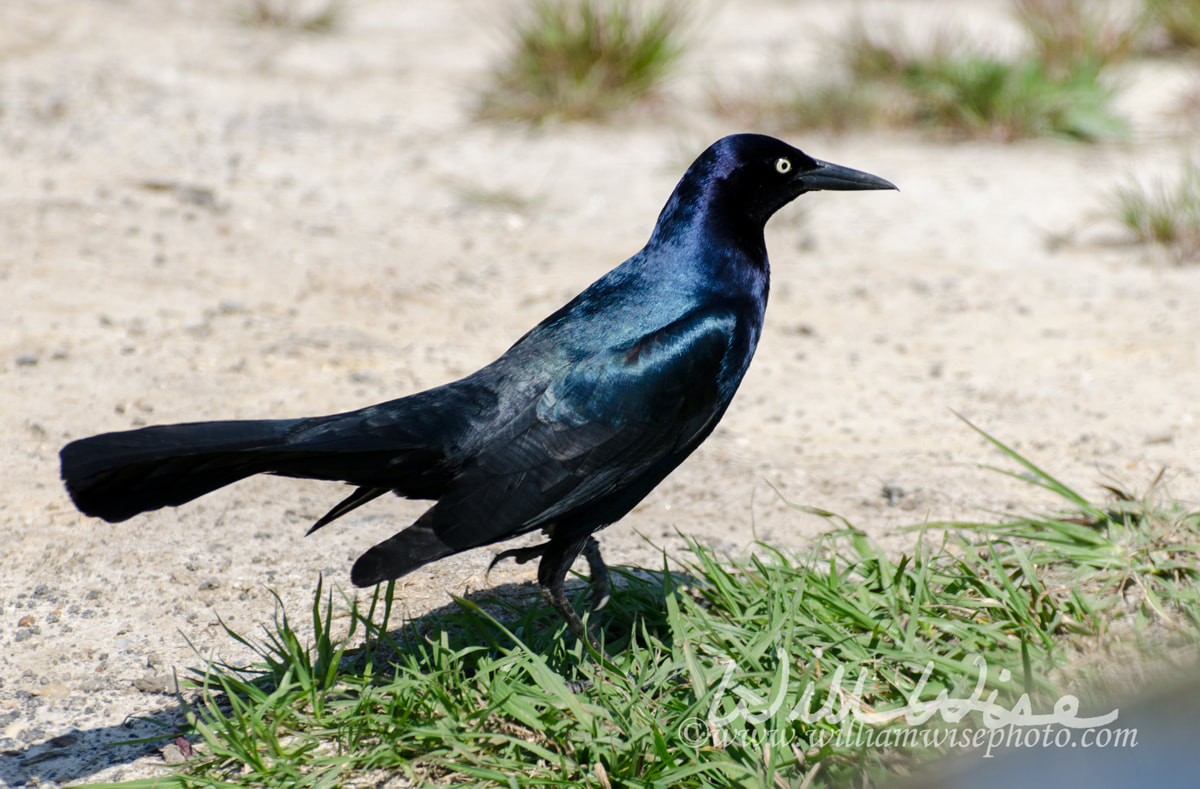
(598, 573)
(556, 596)
(552, 574)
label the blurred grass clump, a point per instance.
(1011, 100)
(583, 60)
(1057, 86)
(1165, 214)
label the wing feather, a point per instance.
(595, 433)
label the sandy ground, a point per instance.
(199, 220)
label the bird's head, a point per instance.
(756, 175)
(735, 186)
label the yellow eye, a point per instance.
(783, 166)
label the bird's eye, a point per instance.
(783, 165)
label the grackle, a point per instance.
(569, 429)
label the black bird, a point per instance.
(564, 433)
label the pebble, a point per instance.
(172, 754)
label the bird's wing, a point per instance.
(594, 432)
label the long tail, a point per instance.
(115, 476)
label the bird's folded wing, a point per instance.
(595, 431)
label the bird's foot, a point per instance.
(557, 599)
(556, 596)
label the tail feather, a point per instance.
(400, 554)
(351, 502)
(413, 447)
(115, 476)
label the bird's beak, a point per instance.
(835, 178)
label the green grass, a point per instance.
(583, 60)
(1164, 214)
(1098, 553)
(481, 696)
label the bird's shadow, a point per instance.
(491, 617)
